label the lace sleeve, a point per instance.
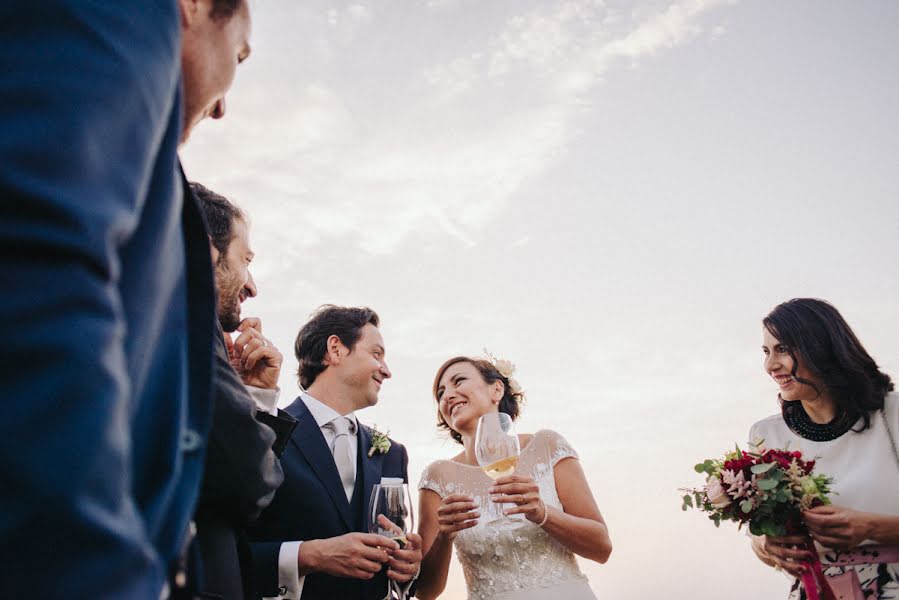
(430, 480)
(557, 446)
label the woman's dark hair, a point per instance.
(814, 332)
(312, 340)
(220, 215)
(510, 403)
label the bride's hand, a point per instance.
(455, 513)
(524, 493)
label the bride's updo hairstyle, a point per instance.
(510, 403)
(814, 332)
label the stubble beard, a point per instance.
(229, 299)
(229, 316)
(365, 397)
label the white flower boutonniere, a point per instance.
(379, 442)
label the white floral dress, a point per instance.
(524, 563)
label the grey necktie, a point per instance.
(342, 449)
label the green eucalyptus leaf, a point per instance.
(766, 484)
(771, 527)
(762, 468)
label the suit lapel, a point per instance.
(308, 438)
(371, 470)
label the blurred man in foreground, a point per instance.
(105, 374)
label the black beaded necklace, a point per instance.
(802, 425)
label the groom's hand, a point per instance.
(356, 555)
(404, 564)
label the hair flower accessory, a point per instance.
(506, 368)
(379, 442)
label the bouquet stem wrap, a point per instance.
(813, 578)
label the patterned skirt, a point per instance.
(875, 578)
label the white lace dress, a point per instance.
(525, 563)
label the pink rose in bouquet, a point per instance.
(716, 493)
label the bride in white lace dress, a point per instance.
(534, 561)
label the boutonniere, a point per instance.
(379, 442)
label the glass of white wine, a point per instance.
(497, 449)
(390, 515)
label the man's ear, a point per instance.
(214, 252)
(189, 11)
(335, 349)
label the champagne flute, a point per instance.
(390, 515)
(497, 449)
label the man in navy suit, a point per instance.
(311, 541)
(105, 371)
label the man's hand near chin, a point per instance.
(254, 357)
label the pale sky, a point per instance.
(610, 194)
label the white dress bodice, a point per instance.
(524, 562)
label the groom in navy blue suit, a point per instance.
(312, 541)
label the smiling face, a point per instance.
(212, 47)
(233, 280)
(363, 370)
(463, 395)
(779, 365)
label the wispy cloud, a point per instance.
(445, 150)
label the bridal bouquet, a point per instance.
(767, 489)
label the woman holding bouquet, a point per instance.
(838, 407)
(535, 560)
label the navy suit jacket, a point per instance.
(109, 309)
(311, 504)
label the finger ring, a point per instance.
(522, 501)
(777, 567)
(264, 343)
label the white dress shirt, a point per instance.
(266, 400)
